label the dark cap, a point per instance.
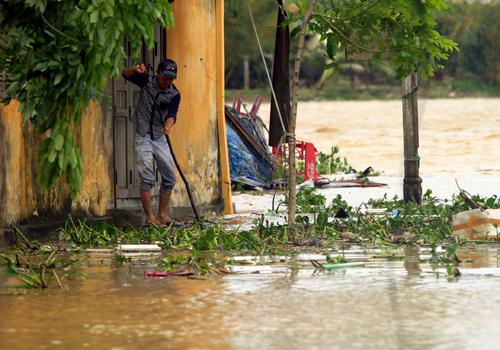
(168, 68)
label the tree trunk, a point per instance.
(292, 173)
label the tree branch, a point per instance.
(332, 26)
(60, 32)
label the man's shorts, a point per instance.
(146, 150)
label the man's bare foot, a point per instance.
(152, 220)
(165, 220)
(163, 214)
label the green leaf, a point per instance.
(109, 9)
(72, 159)
(58, 141)
(490, 202)
(322, 219)
(170, 18)
(295, 32)
(94, 16)
(58, 78)
(60, 159)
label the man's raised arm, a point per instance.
(136, 75)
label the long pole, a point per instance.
(186, 183)
(412, 183)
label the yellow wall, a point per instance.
(96, 144)
(22, 198)
(192, 44)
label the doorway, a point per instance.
(125, 97)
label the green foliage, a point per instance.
(196, 237)
(473, 25)
(308, 201)
(33, 273)
(34, 265)
(400, 222)
(459, 203)
(332, 163)
(428, 222)
(240, 39)
(203, 264)
(80, 233)
(449, 258)
(60, 56)
(402, 31)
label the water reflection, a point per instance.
(412, 261)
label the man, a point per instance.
(154, 117)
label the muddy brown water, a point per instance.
(457, 136)
(388, 304)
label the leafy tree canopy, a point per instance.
(60, 55)
(402, 31)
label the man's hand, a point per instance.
(166, 129)
(140, 68)
(168, 126)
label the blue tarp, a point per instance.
(245, 164)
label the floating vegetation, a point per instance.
(202, 264)
(34, 265)
(320, 225)
(384, 222)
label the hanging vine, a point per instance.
(60, 55)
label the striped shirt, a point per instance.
(168, 101)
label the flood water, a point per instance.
(457, 136)
(400, 303)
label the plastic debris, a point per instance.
(168, 274)
(477, 224)
(139, 247)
